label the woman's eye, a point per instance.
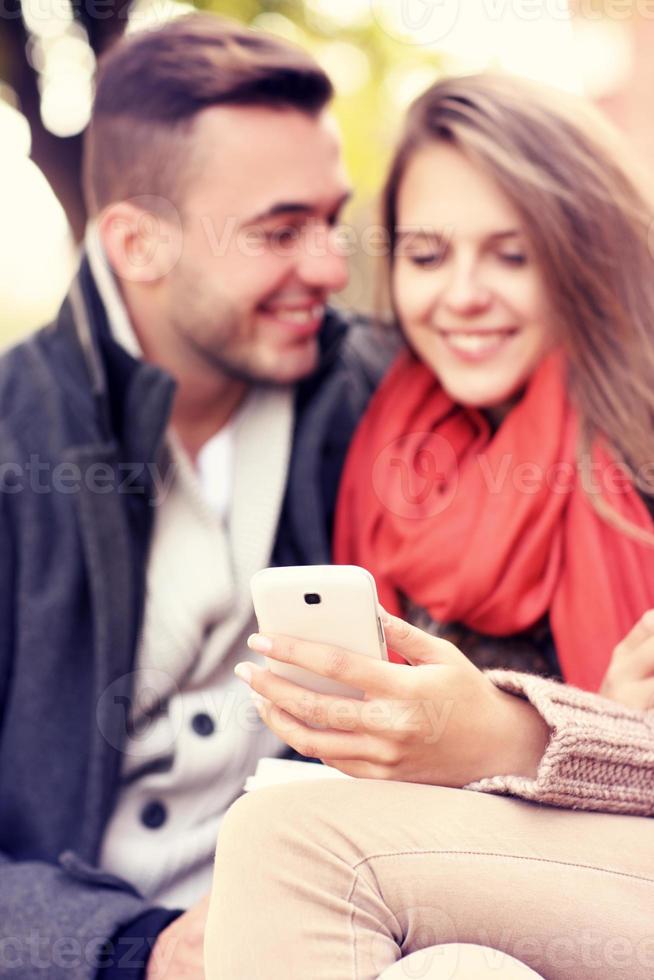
(513, 258)
(426, 259)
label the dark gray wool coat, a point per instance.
(81, 427)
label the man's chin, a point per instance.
(291, 365)
(280, 367)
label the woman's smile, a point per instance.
(477, 346)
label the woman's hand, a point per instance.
(441, 721)
(630, 677)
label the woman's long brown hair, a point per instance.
(588, 216)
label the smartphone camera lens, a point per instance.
(312, 598)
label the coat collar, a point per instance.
(132, 397)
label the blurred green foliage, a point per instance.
(375, 74)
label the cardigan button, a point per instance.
(153, 815)
(202, 724)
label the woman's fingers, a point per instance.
(388, 718)
(369, 674)
(638, 694)
(320, 710)
(632, 666)
(641, 660)
(317, 743)
(639, 634)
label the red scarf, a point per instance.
(494, 529)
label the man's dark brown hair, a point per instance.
(151, 86)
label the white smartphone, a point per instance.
(333, 604)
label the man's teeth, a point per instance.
(476, 343)
(300, 317)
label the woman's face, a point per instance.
(470, 297)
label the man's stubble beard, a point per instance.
(233, 370)
(216, 336)
(221, 334)
(209, 334)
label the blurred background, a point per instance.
(379, 53)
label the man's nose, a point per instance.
(322, 262)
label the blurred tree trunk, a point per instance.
(59, 159)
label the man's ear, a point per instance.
(142, 242)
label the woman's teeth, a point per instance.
(477, 343)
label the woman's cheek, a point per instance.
(414, 294)
(526, 295)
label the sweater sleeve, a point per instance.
(600, 755)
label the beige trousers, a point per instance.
(339, 880)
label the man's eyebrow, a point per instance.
(294, 207)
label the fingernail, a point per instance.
(259, 643)
(384, 616)
(244, 672)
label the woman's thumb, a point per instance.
(416, 646)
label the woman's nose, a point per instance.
(465, 294)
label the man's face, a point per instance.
(259, 256)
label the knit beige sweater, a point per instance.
(600, 755)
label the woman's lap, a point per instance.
(458, 961)
(337, 880)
